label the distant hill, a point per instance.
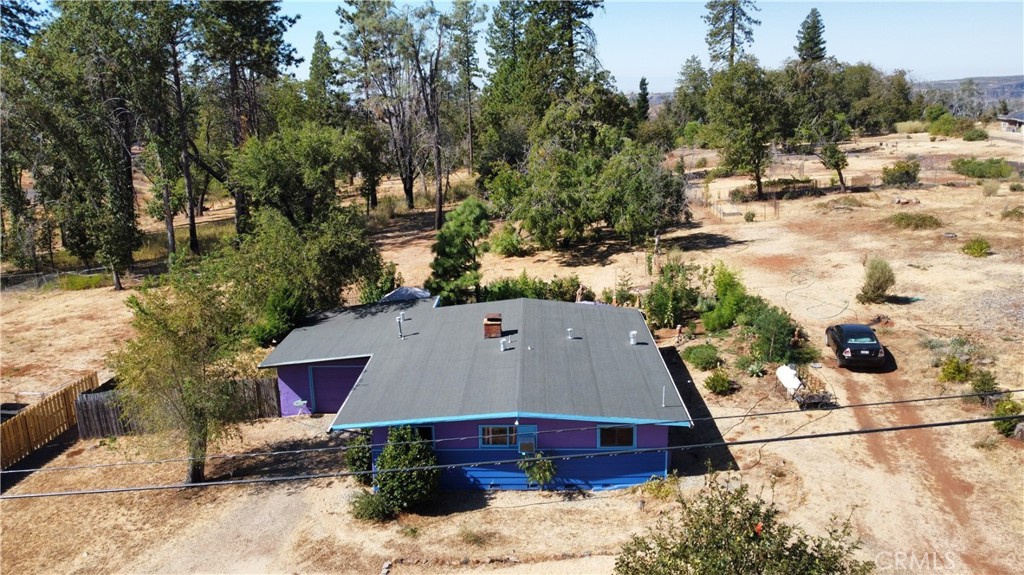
(993, 88)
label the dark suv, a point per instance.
(855, 344)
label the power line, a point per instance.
(776, 439)
(343, 448)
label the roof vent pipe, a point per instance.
(398, 320)
(632, 337)
(568, 332)
(502, 344)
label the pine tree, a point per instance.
(464, 17)
(730, 28)
(456, 267)
(244, 40)
(643, 102)
(810, 39)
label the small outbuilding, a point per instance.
(1011, 122)
(489, 383)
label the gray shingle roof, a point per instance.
(444, 369)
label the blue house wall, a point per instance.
(458, 444)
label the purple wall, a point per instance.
(602, 472)
(571, 436)
(331, 383)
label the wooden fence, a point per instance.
(99, 414)
(37, 424)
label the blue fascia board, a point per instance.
(512, 414)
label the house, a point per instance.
(1011, 122)
(489, 382)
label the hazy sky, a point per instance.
(652, 39)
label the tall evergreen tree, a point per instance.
(456, 266)
(244, 42)
(643, 102)
(730, 28)
(810, 45)
(689, 98)
(326, 100)
(561, 48)
(464, 18)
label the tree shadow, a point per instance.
(901, 299)
(452, 502)
(280, 460)
(696, 460)
(594, 252)
(702, 241)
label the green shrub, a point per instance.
(623, 293)
(524, 286)
(982, 381)
(282, 310)
(671, 297)
(948, 125)
(403, 489)
(990, 188)
(975, 135)
(911, 127)
(934, 112)
(359, 457)
(977, 247)
(740, 195)
(1017, 187)
(911, 221)
(1016, 214)
(773, 329)
(878, 278)
(974, 168)
(749, 216)
(704, 356)
(379, 282)
(726, 529)
(729, 293)
(75, 282)
(954, 369)
(507, 241)
(718, 382)
(538, 470)
(901, 174)
(461, 191)
(372, 507)
(701, 162)
(1006, 408)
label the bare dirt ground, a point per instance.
(947, 500)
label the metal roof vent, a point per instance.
(632, 337)
(568, 332)
(399, 321)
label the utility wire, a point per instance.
(741, 442)
(343, 448)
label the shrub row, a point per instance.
(975, 168)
